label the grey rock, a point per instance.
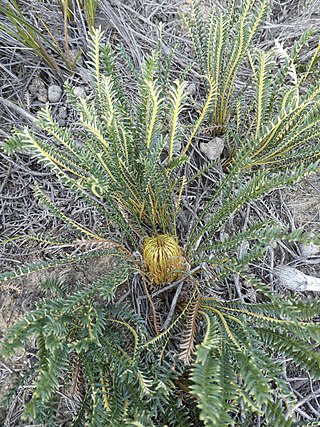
(79, 92)
(309, 250)
(296, 280)
(38, 89)
(212, 149)
(62, 113)
(290, 277)
(54, 93)
(192, 88)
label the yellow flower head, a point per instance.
(163, 259)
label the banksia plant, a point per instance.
(209, 354)
(284, 120)
(163, 258)
(221, 42)
(281, 119)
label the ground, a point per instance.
(26, 83)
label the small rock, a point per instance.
(296, 280)
(79, 92)
(192, 88)
(38, 89)
(54, 93)
(212, 149)
(62, 113)
(42, 95)
(290, 277)
(61, 116)
(309, 250)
